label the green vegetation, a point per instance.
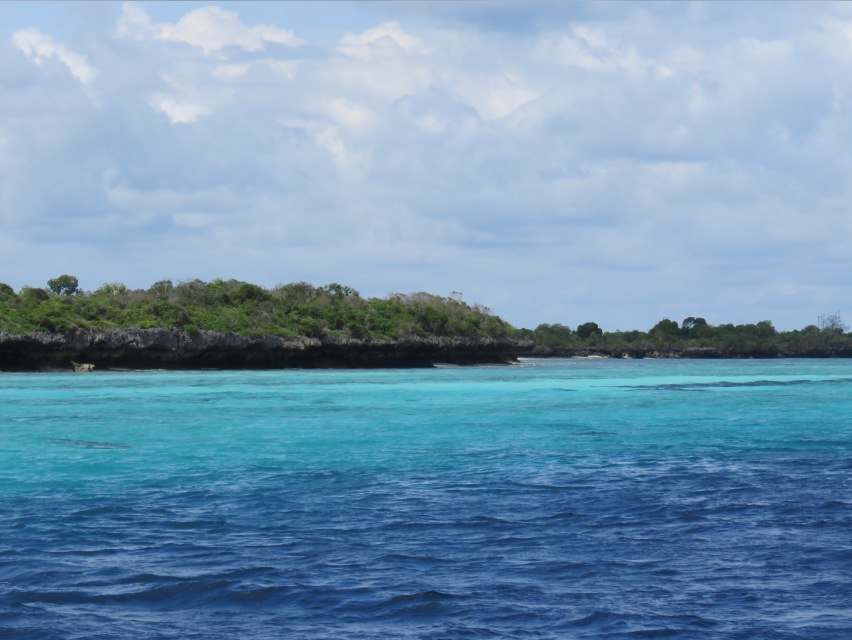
(291, 310)
(64, 285)
(335, 311)
(694, 337)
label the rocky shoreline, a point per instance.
(175, 349)
(687, 353)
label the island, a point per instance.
(230, 324)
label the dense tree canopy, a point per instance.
(233, 306)
(695, 337)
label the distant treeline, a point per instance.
(694, 338)
(335, 311)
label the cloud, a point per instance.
(185, 92)
(38, 46)
(496, 96)
(589, 48)
(555, 162)
(387, 39)
(212, 29)
(177, 112)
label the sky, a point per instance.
(554, 161)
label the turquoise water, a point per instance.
(556, 499)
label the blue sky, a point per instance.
(557, 162)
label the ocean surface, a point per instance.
(555, 499)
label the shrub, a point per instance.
(34, 294)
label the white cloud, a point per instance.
(591, 49)
(352, 164)
(604, 167)
(38, 46)
(212, 29)
(494, 97)
(284, 69)
(349, 114)
(134, 21)
(177, 112)
(186, 92)
(387, 39)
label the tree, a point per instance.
(552, 335)
(692, 323)
(832, 321)
(665, 327)
(694, 328)
(162, 289)
(191, 290)
(295, 293)
(589, 329)
(765, 329)
(64, 285)
(339, 291)
(6, 290)
(112, 289)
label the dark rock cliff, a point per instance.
(174, 349)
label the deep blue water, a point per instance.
(558, 499)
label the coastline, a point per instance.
(176, 349)
(688, 353)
